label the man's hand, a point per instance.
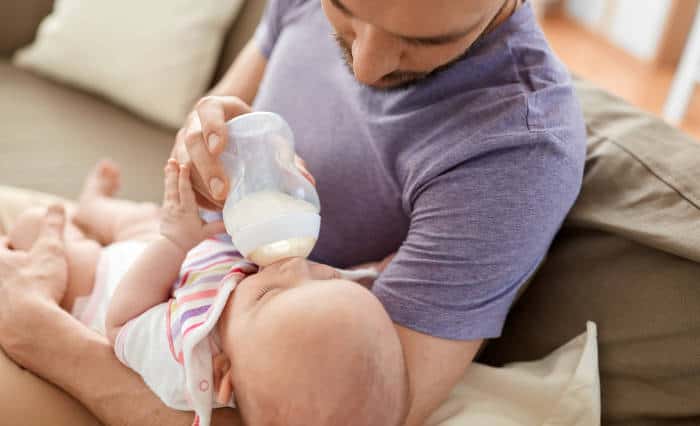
(202, 140)
(39, 275)
(180, 222)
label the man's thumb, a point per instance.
(53, 223)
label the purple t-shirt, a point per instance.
(468, 174)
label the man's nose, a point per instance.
(375, 53)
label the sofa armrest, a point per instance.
(19, 21)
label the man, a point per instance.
(454, 139)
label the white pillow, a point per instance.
(560, 389)
(154, 57)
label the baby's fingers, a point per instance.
(171, 186)
(187, 197)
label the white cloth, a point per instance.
(172, 344)
(562, 389)
(143, 346)
(115, 260)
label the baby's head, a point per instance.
(307, 348)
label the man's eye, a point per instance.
(262, 292)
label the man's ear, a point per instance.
(225, 391)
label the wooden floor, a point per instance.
(591, 56)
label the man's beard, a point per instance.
(391, 81)
(403, 79)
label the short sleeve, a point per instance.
(477, 232)
(268, 28)
(143, 345)
(272, 22)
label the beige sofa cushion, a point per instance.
(52, 135)
(155, 58)
(626, 259)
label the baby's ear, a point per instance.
(223, 396)
(222, 378)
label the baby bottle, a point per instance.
(271, 211)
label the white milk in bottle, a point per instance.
(272, 211)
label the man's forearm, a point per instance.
(81, 362)
(434, 367)
(243, 77)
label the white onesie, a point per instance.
(172, 344)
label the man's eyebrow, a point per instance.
(440, 39)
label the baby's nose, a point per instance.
(295, 266)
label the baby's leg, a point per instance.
(109, 219)
(25, 230)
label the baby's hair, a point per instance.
(327, 355)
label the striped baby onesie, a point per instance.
(172, 344)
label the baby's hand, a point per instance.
(181, 223)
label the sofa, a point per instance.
(627, 257)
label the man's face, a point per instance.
(392, 43)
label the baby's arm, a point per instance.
(149, 280)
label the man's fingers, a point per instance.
(50, 239)
(210, 112)
(171, 194)
(207, 165)
(213, 113)
(53, 223)
(204, 137)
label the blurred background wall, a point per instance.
(632, 48)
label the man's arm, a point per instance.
(43, 338)
(81, 362)
(243, 78)
(434, 366)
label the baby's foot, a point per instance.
(102, 181)
(101, 184)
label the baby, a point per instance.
(298, 344)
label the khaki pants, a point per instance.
(26, 399)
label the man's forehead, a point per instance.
(421, 18)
